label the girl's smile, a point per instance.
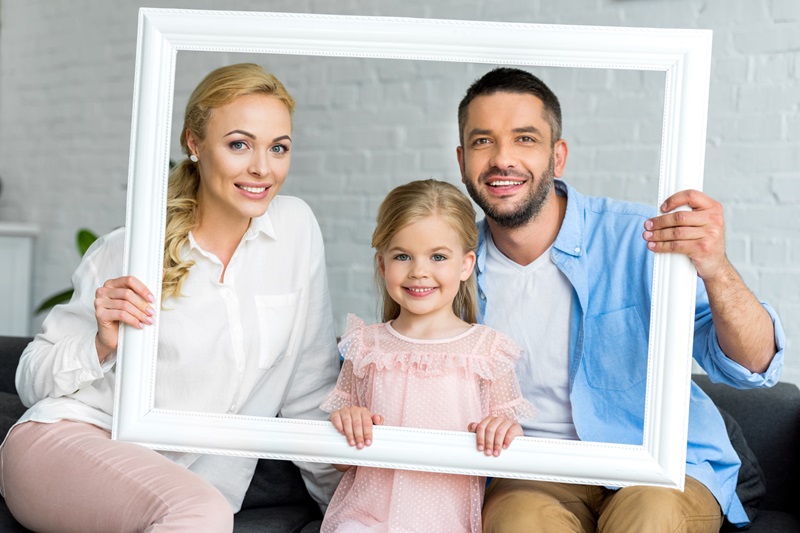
(420, 291)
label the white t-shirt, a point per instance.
(260, 343)
(531, 304)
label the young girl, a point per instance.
(428, 366)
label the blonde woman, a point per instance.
(245, 327)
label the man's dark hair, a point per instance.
(512, 80)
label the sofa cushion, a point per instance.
(769, 522)
(283, 519)
(8, 524)
(277, 483)
(277, 496)
(10, 350)
(751, 485)
(770, 423)
(11, 409)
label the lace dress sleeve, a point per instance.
(505, 396)
(344, 394)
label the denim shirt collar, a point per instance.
(570, 237)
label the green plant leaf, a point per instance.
(60, 298)
(85, 239)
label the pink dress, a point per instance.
(433, 384)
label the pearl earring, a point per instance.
(193, 158)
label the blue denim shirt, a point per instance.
(600, 250)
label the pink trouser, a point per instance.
(70, 476)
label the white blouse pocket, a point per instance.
(277, 323)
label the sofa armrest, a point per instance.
(10, 350)
(770, 422)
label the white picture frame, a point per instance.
(683, 55)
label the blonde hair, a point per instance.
(220, 87)
(415, 201)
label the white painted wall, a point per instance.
(364, 126)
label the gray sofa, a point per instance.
(764, 423)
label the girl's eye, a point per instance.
(438, 257)
(238, 145)
(402, 257)
(279, 149)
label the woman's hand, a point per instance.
(355, 423)
(124, 299)
(494, 434)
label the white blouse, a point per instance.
(259, 343)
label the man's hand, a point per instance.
(744, 328)
(494, 434)
(698, 232)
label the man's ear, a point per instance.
(460, 157)
(467, 265)
(560, 152)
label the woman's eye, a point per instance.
(238, 145)
(402, 257)
(280, 149)
(439, 257)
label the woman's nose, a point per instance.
(259, 164)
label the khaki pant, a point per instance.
(513, 505)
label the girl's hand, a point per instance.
(124, 299)
(494, 434)
(355, 423)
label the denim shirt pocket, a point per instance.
(277, 322)
(615, 349)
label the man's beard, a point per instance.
(531, 206)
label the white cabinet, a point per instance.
(16, 269)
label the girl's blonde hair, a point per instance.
(412, 202)
(222, 86)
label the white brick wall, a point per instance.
(364, 126)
